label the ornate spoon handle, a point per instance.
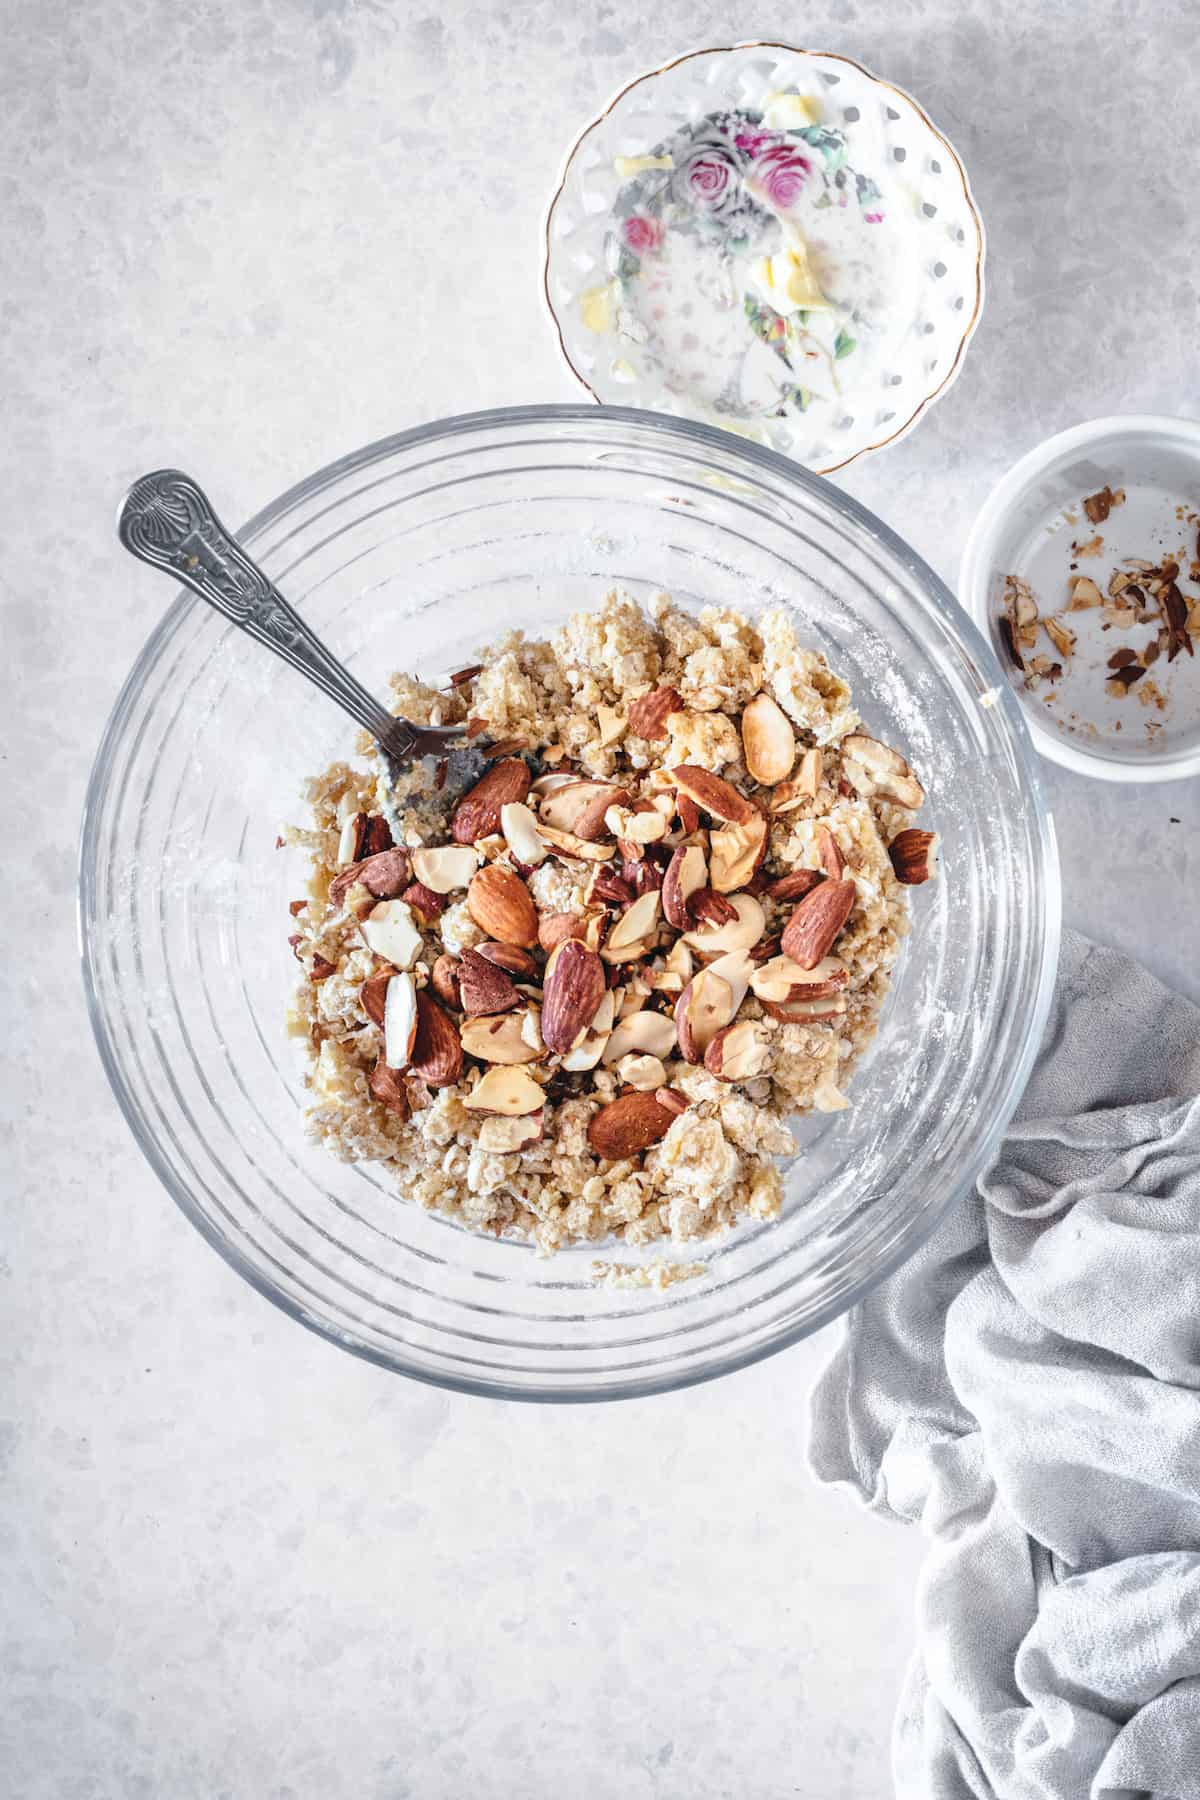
(167, 521)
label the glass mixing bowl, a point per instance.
(409, 554)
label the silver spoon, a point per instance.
(166, 520)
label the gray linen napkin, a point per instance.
(1027, 1390)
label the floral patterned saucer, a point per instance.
(769, 240)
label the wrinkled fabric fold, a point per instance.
(1026, 1390)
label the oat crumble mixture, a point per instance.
(580, 1003)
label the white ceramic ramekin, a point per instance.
(1051, 478)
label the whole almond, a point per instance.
(373, 992)
(795, 885)
(484, 987)
(648, 715)
(572, 990)
(477, 814)
(713, 794)
(627, 1126)
(437, 1049)
(556, 928)
(810, 932)
(502, 906)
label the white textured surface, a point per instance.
(235, 1562)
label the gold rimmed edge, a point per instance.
(792, 50)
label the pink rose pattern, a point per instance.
(643, 234)
(781, 172)
(708, 177)
(736, 163)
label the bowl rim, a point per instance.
(463, 425)
(947, 382)
(975, 573)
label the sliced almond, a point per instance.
(686, 873)
(735, 970)
(739, 933)
(477, 814)
(873, 769)
(399, 1020)
(646, 1033)
(642, 1073)
(689, 814)
(627, 1126)
(350, 843)
(586, 1055)
(504, 1137)
(390, 931)
(447, 867)
(633, 930)
(1084, 594)
(502, 906)
(738, 1053)
(572, 989)
(1060, 636)
(1022, 614)
(521, 834)
(649, 713)
(436, 1053)
(808, 775)
(806, 1012)
(499, 1039)
(830, 852)
(632, 998)
(768, 741)
(782, 978)
(549, 784)
(578, 807)
(566, 844)
(736, 852)
(508, 1091)
(713, 794)
(788, 797)
(704, 1008)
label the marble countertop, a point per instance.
(245, 238)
